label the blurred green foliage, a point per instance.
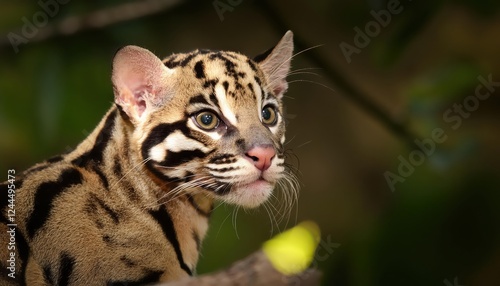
(442, 223)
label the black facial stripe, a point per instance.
(199, 69)
(102, 139)
(173, 62)
(250, 87)
(186, 60)
(229, 64)
(163, 218)
(200, 98)
(229, 54)
(210, 83)
(238, 86)
(168, 62)
(252, 65)
(155, 137)
(45, 194)
(257, 80)
(223, 159)
(214, 100)
(160, 132)
(263, 94)
(223, 170)
(177, 158)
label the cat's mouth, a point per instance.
(247, 189)
(250, 194)
(255, 184)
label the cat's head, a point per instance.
(209, 121)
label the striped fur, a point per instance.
(131, 204)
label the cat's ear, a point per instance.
(275, 63)
(140, 81)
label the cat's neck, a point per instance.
(111, 155)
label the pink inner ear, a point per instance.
(139, 80)
(135, 81)
(140, 103)
(277, 64)
(280, 88)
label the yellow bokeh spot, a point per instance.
(292, 251)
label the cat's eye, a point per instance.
(207, 120)
(269, 116)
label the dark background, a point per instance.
(352, 120)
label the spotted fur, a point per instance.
(131, 204)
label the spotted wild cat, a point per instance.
(131, 203)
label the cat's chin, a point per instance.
(250, 195)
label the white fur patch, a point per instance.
(226, 110)
(177, 142)
(158, 153)
(258, 95)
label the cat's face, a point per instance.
(219, 126)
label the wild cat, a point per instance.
(131, 204)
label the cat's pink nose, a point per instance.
(261, 156)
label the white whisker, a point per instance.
(314, 82)
(140, 164)
(290, 58)
(234, 219)
(302, 72)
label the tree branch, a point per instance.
(254, 270)
(97, 19)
